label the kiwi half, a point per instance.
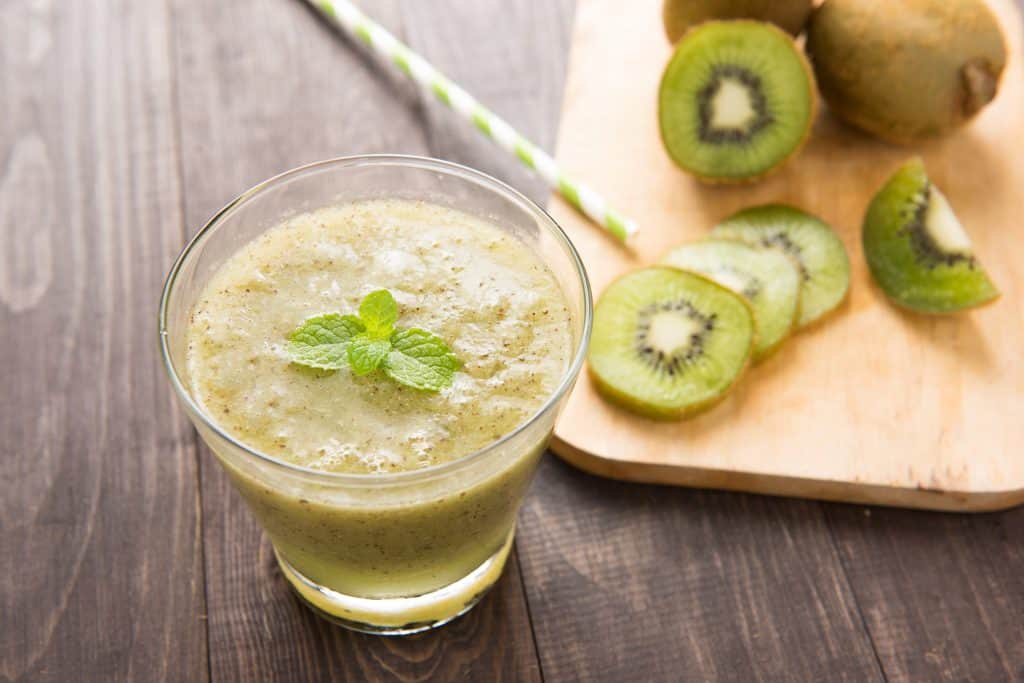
(736, 100)
(767, 279)
(669, 343)
(681, 15)
(909, 69)
(917, 250)
(814, 247)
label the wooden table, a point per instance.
(124, 555)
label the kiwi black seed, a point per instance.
(917, 249)
(736, 100)
(668, 343)
(813, 245)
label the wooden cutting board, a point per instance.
(875, 405)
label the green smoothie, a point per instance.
(387, 532)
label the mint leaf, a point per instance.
(379, 312)
(321, 342)
(413, 357)
(353, 323)
(366, 353)
(420, 360)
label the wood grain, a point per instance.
(247, 115)
(649, 583)
(100, 571)
(874, 405)
(101, 565)
(942, 595)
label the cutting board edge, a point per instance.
(789, 487)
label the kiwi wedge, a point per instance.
(736, 100)
(669, 343)
(906, 70)
(814, 247)
(917, 250)
(767, 279)
(679, 16)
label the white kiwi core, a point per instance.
(732, 106)
(670, 331)
(943, 226)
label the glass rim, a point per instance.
(407, 161)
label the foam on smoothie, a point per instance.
(498, 307)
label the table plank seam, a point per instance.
(852, 589)
(177, 136)
(529, 611)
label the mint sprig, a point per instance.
(370, 341)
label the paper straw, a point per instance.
(346, 15)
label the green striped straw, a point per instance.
(586, 201)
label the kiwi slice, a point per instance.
(768, 280)
(669, 343)
(679, 16)
(736, 100)
(917, 250)
(814, 247)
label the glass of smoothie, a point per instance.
(391, 506)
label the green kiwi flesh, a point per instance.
(668, 343)
(917, 250)
(908, 70)
(736, 100)
(768, 279)
(813, 245)
(679, 16)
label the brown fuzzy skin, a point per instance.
(679, 16)
(906, 71)
(718, 180)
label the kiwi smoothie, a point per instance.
(385, 533)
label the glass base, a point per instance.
(399, 616)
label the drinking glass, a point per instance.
(391, 553)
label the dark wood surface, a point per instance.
(124, 555)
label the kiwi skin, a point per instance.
(893, 264)
(811, 118)
(624, 400)
(906, 70)
(679, 16)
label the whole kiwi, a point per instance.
(681, 15)
(908, 70)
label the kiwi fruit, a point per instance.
(909, 70)
(767, 279)
(917, 250)
(736, 100)
(814, 247)
(668, 343)
(679, 16)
